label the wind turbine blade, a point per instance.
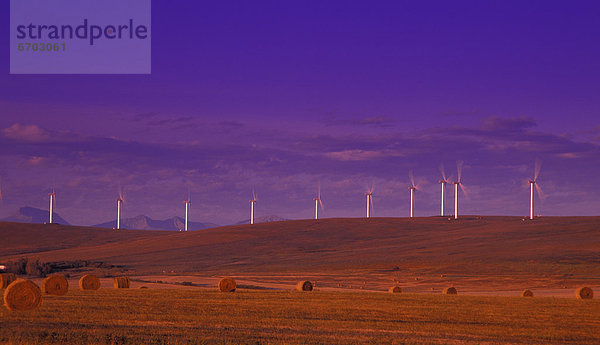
(412, 178)
(464, 190)
(321, 204)
(443, 172)
(459, 166)
(319, 191)
(539, 191)
(0, 189)
(372, 206)
(538, 167)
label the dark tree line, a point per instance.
(35, 267)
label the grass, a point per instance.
(111, 316)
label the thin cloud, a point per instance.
(31, 133)
(371, 121)
(496, 123)
(354, 155)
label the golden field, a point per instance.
(352, 262)
(200, 316)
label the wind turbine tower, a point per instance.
(52, 203)
(456, 199)
(252, 207)
(187, 203)
(458, 183)
(412, 201)
(443, 182)
(369, 195)
(318, 203)
(412, 189)
(534, 185)
(119, 208)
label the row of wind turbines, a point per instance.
(369, 197)
(413, 188)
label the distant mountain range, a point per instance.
(34, 215)
(142, 222)
(265, 219)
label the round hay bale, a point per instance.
(55, 284)
(6, 279)
(227, 285)
(450, 291)
(122, 282)
(526, 293)
(22, 294)
(395, 289)
(304, 286)
(89, 282)
(584, 292)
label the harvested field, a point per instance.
(134, 316)
(550, 256)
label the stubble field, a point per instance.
(201, 316)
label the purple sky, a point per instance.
(281, 96)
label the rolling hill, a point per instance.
(496, 251)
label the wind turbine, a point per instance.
(412, 189)
(120, 200)
(318, 203)
(533, 185)
(369, 195)
(52, 203)
(459, 165)
(443, 182)
(188, 204)
(252, 206)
